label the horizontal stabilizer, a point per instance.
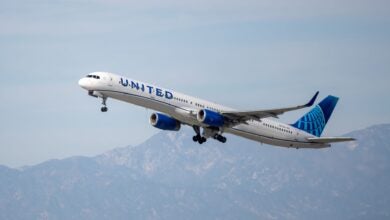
(326, 140)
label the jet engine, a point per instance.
(210, 118)
(164, 122)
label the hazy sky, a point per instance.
(244, 54)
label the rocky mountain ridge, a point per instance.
(170, 177)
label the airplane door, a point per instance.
(110, 81)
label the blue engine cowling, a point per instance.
(210, 118)
(164, 122)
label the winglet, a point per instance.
(311, 102)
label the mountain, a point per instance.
(170, 177)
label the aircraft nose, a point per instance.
(84, 83)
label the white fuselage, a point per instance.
(183, 108)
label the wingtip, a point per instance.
(311, 102)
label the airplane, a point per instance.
(211, 120)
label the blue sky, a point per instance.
(244, 54)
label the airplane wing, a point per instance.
(243, 116)
(326, 140)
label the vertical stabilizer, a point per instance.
(314, 121)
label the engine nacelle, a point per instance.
(210, 118)
(164, 122)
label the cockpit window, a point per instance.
(93, 76)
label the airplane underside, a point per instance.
(202, 134)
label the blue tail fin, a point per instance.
(314, 121)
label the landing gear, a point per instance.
(104, 108)
(198, 138)
(220, 138)
(202, 140)
(207, 132)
